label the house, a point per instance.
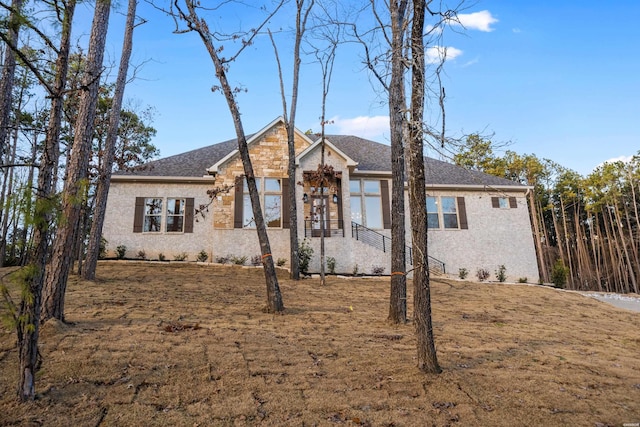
(476, 221)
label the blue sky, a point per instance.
(559, 79)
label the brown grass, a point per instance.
(189, 345)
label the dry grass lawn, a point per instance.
(189, 345)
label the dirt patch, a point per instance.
(185, 345)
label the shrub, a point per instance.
(377, 270)
(522, 280)
(256, 260)
(355, 270)
(223, 259)
(121, 251)
(238, 260)
(180, 257)
(559, 274)
(102, 254)
(482, 274)
(501, 273)
(331, 264)
(203, 256)
(463, 273)
(281, 262)
(142, 254)
(305, 251)
(161, 257)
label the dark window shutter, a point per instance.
(237, 208)
(495, 202)
(386, 206)
(138, 215)
(513, 203)
(339, 190)
(188, 215)
(462, 214)
(285, 203)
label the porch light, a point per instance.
(305, 198)
(335, 198)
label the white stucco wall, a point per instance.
(118, 224)
(495, 237)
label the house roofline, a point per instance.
(349, 161)
(164, 179)
(483, 187)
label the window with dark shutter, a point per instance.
(495, 202)
(188, 215)
(285, 203)
(513, 203)
(138, 215)
(237, 208)
(462, 214)
(386, 205)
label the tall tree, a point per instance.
(397, 120)
(189, 14)
(302, 14)
(28, 314)
(104, 172)
(76, 178)
(8, 70)
(427, 358)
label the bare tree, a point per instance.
(302, 14)
(188, 13)
(76, 178)
(104, 174)
(427, 358)
(8, 71)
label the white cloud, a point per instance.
(623, 159)
(362, 126)
(516, 30)
(480, 21)
(435, 54)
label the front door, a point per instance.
(319, 215)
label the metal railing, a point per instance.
(383, 243)
(332, 228)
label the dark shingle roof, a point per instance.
(370, 156)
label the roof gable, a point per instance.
(310, 149)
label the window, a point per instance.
(504, 202)
(270, 191)
(448, 211)
(370, 203)
(151, 216)
(175, 215)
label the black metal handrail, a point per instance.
(383, 243)
(332, 228)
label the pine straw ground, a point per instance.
(189, 345)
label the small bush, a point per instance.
(559, 274)
(256, 260)
(103, 248)
(121, 251)
(355, 270)
(522, 280)
(377, 270)
(305, 251)
(203, 256)
(463, 273)
(482, 274)
(281, 262)
(238, 260)
(331, 264)
(223, 259)
(180, 257)
(142, 255)
(161, 257)
(501, 273)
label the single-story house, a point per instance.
(476, 221)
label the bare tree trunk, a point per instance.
(274, 297)
(8, 72)
(427, 358)
(28, 327)
(544, 276)
(398, 288)
(76, 180)
(104, 174)
(7, 192)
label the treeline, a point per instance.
(586, 228)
